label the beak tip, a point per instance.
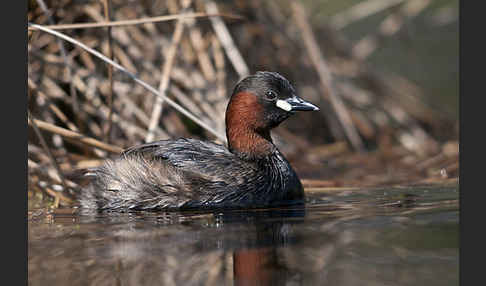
(313, 107)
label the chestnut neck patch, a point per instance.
(245, 130)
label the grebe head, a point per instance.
(259, 103)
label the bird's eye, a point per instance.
(270, 95)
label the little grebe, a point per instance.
(194, 174)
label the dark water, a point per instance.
(400, 236)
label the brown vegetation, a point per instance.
(172, 76)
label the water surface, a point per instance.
(388, 236)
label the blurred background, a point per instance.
(424, 48)
(384, 72)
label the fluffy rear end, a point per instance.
(133, 182)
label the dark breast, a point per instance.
(189, 173)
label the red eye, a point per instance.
(270, 95)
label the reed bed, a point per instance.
(106, 75)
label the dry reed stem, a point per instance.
(226, 40)
(136, 21)
(46, 148)
(107, 8)
(37, 151)
(133, 108)
(53, 107)
(135, 78)
(220, 93)
(187, 101)
(199, 44)
(126, 125)
(67, 62)
(325, 76)
(76, 137)
(95, 106)
(165, 79)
